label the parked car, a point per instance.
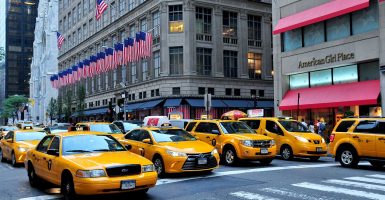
(5, 129)
(56, 129)
(180, 123)
(103, 127)
(126, 126)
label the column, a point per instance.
(217, 42)
(189, 48)
(164, 49)
(381, 7)
(243, 46)
(267, 64)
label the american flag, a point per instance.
(60, 40)
(137, 48)
(56, 81)
(98, 65)
(52, 79)
(60, 79)
(69, 76)
(75, 73)
(101, 6)
(102, 57)
(129, 49)
(92, 68)
(115, 57)
(86, 66)
(110, 59)
(119, 53)
(145, 44)
(80, 70)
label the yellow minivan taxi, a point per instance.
(173, 150)
(103, 127)
(15, 145)
(88, 163)
(292, 138)
(234, 140)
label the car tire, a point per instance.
(32, 177)
(142, 192)
(1, 156)
(377, 164)
(348, 157)
(266, 162)
(229, 156)
(159, 166)
(67, 189)
(314, 158)
(13, 160)
(287, 152)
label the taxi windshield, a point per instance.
(172, 135)
(235, 127)
(105, 128)
(293, 126)
(26, 136)
(90, 143)
(12, 128)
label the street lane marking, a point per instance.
(251, 196)
(356, 184)
(294, 195)
(364, 179)
(243, 171)
(43, 197)
(9, 167)
(339, 190)
(377, 176)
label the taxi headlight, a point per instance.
(248, 143)
(22, 149)
(148, 168)
(213, 152)
(176, 154)
(301, 139)
(90, 173)
(272, 142)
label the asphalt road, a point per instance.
(298, 179)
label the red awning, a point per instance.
(322, 12)
(348, 94)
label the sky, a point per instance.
(2, 22)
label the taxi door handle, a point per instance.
(208, 137)
(356, 137)
(381, 138)
(44, 158)
(265, 134)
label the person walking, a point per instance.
(321, 128)
(303, 122)
(311, 126)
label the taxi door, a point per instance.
(364, 136)
(380, 140)
(207, 132)
(50, 167)
(133, 138)
(8, 145)
(39, 159)
(145, 148)
(273, 130)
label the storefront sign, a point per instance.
(331, 58)
(175, 116)
(255, 113)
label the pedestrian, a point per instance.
(303, 122)
(311, 126)
(321, 128)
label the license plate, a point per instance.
(129, 184)
(264, 151)
(202, 161)
(319, 149)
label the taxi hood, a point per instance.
(188, 146)
(29, 143)
(249, 136)
(101, 160)
(307, 135)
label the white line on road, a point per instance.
(339, 190)
(294, 195)
(251, 196)
(9, 167)
(356, 184)
(369, 180)
(377, 176)
(43, 197)
(243, 171)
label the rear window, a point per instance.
(344, 126)
(366, 127)
(254, 124)
(190, 126)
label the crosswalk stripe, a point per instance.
(294, 195)
(339, 190)
(356, 184)
(251, 196)
(43, 197)
(364, 179)
(377, 176)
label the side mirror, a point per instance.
(197, 137)
(147, 141)
(128, 147)
(10, 140)
(256, 131)
(53, 152)
(215, 132)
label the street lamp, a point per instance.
(124, 99)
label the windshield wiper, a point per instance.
(103, 150)
(78, 151)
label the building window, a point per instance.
(201, 90)
(299, 81)
(204, 61)
(365, 20)
(74, 15)
(228, 92)
(230, 63)
(254, 30)
(133, 96)
(144, 94)
(203, 23)
(69, 20)
(152, 93)
(230, 21)
(140, 95)
(79, 11)
(133, 73)
(85, 7)
(292, 39)
(237, 92)
(143, 25)
(322, 77)
(253, 92)
(176, 60)
(132, 31)
(346, 74)
(156, 64)
(338, 28)
(261, 93)
(314, 34)
(254, 61)
(91, 26)
(175, 13)
(145, 74)
(131, 4)
(157, 93)
(122, 6)
(211, 91)
(156, 23)
(176, 91)
(369, 71)
(85, 31)
(113, 11)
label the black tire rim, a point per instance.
(13, 159)
(347, 157)
(158, 166)
(286, 153)
(229, 156)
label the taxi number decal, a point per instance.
(213, 142)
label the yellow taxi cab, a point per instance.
(355, 139)
(234, 140)
(173, 150)
(15, 145)
(88, 163)
(292, 138)
(103, 127)
(5, 129)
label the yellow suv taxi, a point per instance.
(88, 163)
(173, 150)
(15, 145)
(292, 138)
(234, 140)
(103, 127)
(355, 139)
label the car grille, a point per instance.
(123, 170)
(316, 141)
(192, 162)
(261, 143)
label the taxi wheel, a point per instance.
(159, 166)
(32, 178)
(287, 152)
(141, 192)
(266, 161)
(314, 158)
(67, 189)
(230, 156)
(1, 156)
(348, 157)
(377, 164)
(13, 160)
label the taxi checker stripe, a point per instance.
(356, 184)
(369, 180)
(340, 190)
